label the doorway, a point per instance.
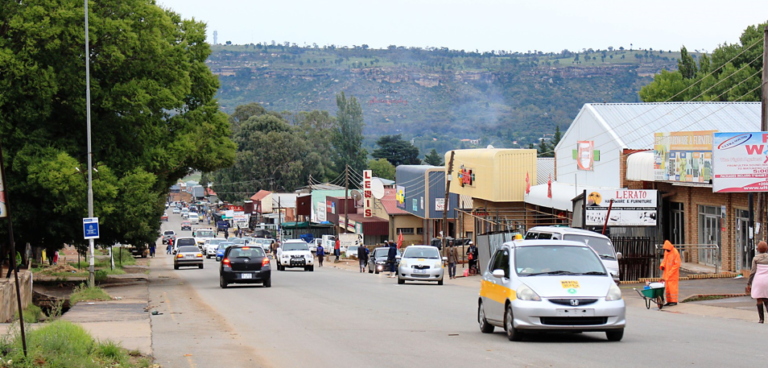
(678, 223)
(743, 253)
(709, 233)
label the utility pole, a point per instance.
(445, 203)
(346, 195)
(311, 202)
(91, 280)
(764, 115)
(279, 222)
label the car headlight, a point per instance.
(402, 264)
(526, 293)
(614, 293)
(438, 264)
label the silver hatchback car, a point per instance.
(420, 263)
(547, 285)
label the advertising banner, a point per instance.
(440, 204)
(740, 162)
(400, 196)
(585, 151)
(630, 207)
(320, 211)
(683, 156)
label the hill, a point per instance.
(437, 96)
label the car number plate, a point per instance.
(246, 276)
(419, 271)
(576, 312)
(189, 256)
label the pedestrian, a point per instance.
(472, 254)
(757, 286)
(10, 265)
(152, 251)
(671, 277)
(452, 254)
(362, 257)
(170, 246)
(320, 254)
(274, 247)
(226, 234)
(337, 249)
(55, 257)
(391, 256)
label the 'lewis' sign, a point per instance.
(367, 193)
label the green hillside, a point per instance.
(437, 96)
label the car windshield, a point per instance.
(168, 233)
(246, 252)
(224, 245)
(383, 252)
(352, 248)
(557, 260)
(215, 241)
(205, 234)
(430, 253)
(603, 247)
(185, 223)
(295, 246)
(188, 250)
(186, 241)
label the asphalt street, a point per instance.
(340, 318)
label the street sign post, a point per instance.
(91, 227)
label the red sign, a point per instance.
(232, 207)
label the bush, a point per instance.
(32, 314)
(62, 344)
(84, 293)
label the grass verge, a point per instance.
(65, 344)
(84, 293)
(32, 314)
(705, 297)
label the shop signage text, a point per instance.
(683, 156)
(740, 162)
(630, 207)
(466, 177)
(367, 194)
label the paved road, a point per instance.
(340, 318)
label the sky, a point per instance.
(511, 25)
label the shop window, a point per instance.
(405, 230)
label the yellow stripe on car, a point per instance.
(496, 292)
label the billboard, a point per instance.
(400, 196)
(585, 155)
(683, 156)
(367, 194)
(630, 207)
(740, 162)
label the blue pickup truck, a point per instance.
(222, 226)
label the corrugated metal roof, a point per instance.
(635, 123)
(545, 166)
(640, 166)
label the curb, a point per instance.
(723, 296)
(705, 276)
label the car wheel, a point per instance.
(400, 281)
(485, 327)
(175, 267)
(311, 268)
(440, 282)
(370, 270)
(268, 282)
(615, 335)
(377, 272)
(222, 282)
(218, 259)
(509, 325)
(201, 266)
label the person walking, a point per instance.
(391, 256)
(671, 277)
(453, 258)
(320, 254)
(170, 246)
(152, 251)
(362, 257)
(757, 286)
(337, 249)
(10, 265)
(472, 254)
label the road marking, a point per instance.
(168, 303)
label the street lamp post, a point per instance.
(91, 281)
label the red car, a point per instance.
(186, 226)
(164, 217)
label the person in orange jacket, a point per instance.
(671, 268)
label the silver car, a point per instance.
(420, 263)
(188, 255)
(210, 247)
(547, 285)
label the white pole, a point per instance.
(91, 281)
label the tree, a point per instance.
(153, 110)
(433, 158)
(545, 150)
(556, 137)
(397, 151)
(348, 139)
(730, 74)
(381, 168)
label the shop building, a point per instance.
(420, 191)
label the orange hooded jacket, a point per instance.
(671, 263)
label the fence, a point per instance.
(638, 258)
(488, 244)
(706, 254)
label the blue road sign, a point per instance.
(91, 227)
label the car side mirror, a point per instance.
(618, 255)
(498, 273)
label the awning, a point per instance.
(640, 166)
(562, 195)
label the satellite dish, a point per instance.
(356, 197)
(377, 188)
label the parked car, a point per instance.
(245, 265)
(167, 235)
(188, 255)
(600, 243)
(185, 225)
(210, 247)
(548, 285)
(164, 217)
(175, 210)
(221, 249)
(377, 260)
(295, 253)
(420, 263)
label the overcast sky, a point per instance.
(545, 25)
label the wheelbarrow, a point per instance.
(654, 293)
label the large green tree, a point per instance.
(381, 168)
(397, 151)
(730, 74)
(154, 117)
(348, 140)
(433, 158)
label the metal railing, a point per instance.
(706, 254)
